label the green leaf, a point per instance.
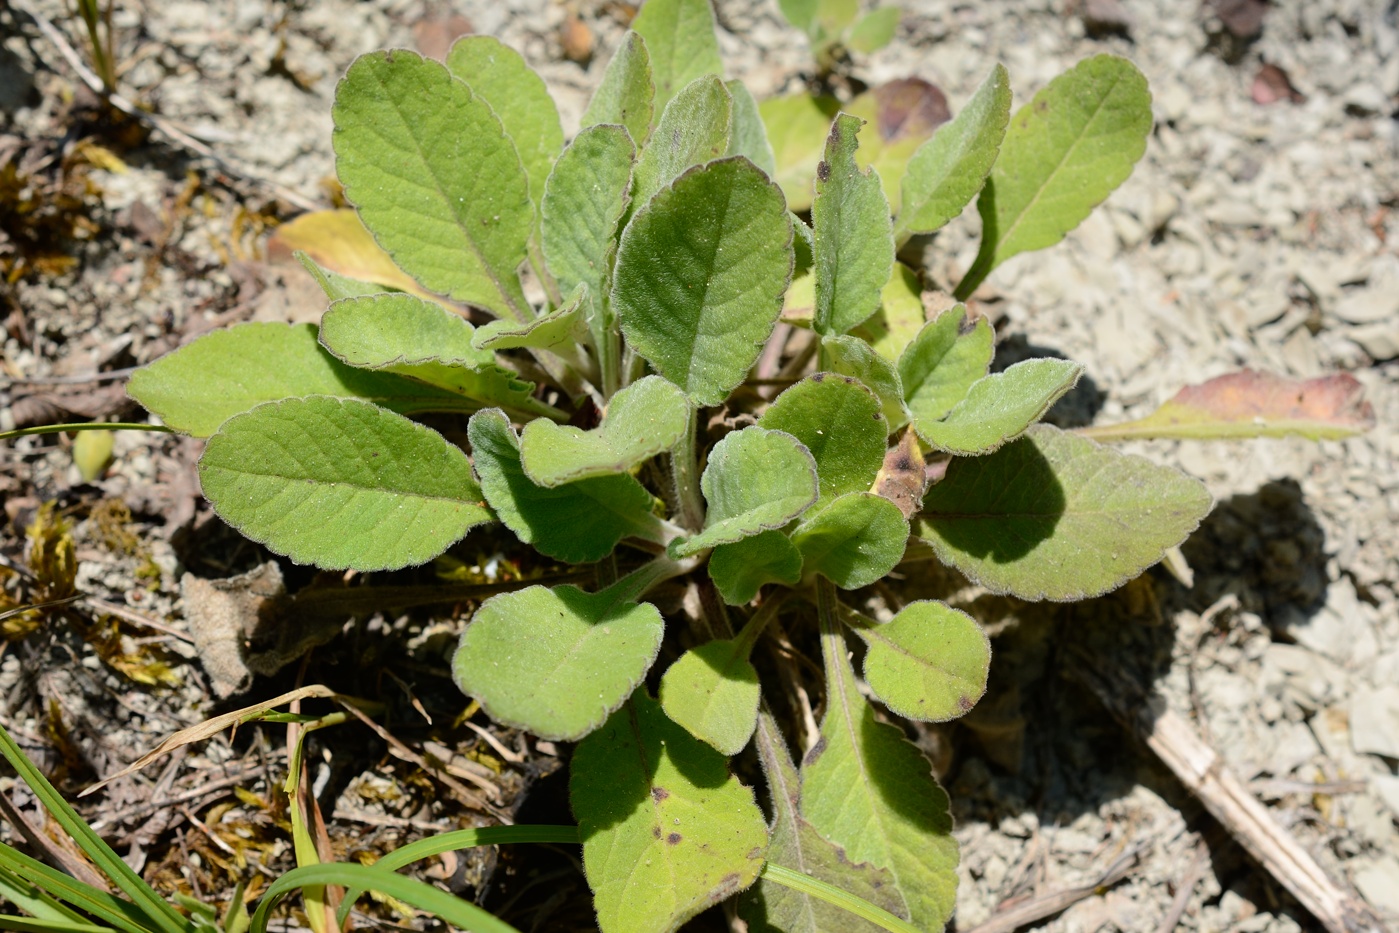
(750, 137)
(854, 243)
(626, 96)
(854, 541)
(340, 245)
(875, 29)
(1064, 153)
(667, 831)
(905, 112)
(949, 356)
(756, 480)
(499, 75)
(644, 419)
(834, 16)
(1000, 407)
(948, 170)
(740, 569)
(797, 125)
(1053, 516)
(563, 325)
(556, 662)
(800, 13)
(577, 523)
(340, 483)
(839, 421)
(900, 316)
(694, 129)
(700, 275)
(712, 691)
(929, 662)
(401, 334)
(435, 178)
(201, 385)
(851, 356)
(870, 791)
(680, 36)
(335, 285)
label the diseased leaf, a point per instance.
(1254, 404)
(948, 170)
(562, 326)
(204, 383)
(854, 541)
(1053, 516)
(335, 285)
(556, 662)
(740, 569)
(644, 419)
(853, 240)
(949, 355)
(680, 36)
(904, 475)
(578, 522)
(875, 29)
(339, 243)
(435, 178)
(900, 316)
(1064, 153)
(700, 275)
(1000, 407)
(749, 137)
(359, 488)
(904, 114)
(712, 691)
(667, 831)
(851, 356)
(756, 480)
(929, 662)
(838, 420)
(694, 129)
(626, 95)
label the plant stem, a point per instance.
(833, 646)
(86, 426)
(641, 580)
(684, 472)
(757, 623)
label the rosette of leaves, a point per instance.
(584, 309)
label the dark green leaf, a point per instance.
(949, 355)
(854, 541)
(626, 95)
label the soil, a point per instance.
(1257, 232)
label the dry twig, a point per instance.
(1038, 908)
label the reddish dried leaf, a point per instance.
(1272, 84)
(903, 477)
(1243, 18)
(437, 30)
(909, 108)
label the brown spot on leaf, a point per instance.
(903, 477)
(815, 752)
(966, 703)
(823, 170)
(818, 377)
(659, 793)
(673, 839)
(656, 832)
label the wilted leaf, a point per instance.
(903, 477)
(335, 285)
(929, 662)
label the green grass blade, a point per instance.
(833, 895)
(31, 925)
(34, 900)
(120, 914)
(84, 426)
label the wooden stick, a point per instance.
(1009, 919)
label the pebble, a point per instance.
(1374, 720)
(1377, 880)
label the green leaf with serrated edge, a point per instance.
(875, 29)
(1053, 516)
(770, 908)
(694, 129)
(1000, 407)
(1064, 153)
(700, 275)
(929, 662)
(905, 112)
(851, 356)
(949, 355)
(680, 36)
(340, 483)
(402, 334)
(797, 125)
(749, 137)
(948, 170)
(712, 691)
(556, 662)
(498, 74)
(667, 831)
(201, 385)
(335, 285)
(577, 523)
(854, 541)
(803, 243)
(740, 569)
(644, 419)
(563, 325)
(869, 790)
(626, 94)
(756, 480)
(853, 238)
(839, 421)
(435, 178)
(900, 316)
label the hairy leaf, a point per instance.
(839, 421)
(740, 569)
(900, 316)
(694, 129)
(680, 36)
(929, 662)
(949, 356)
(562, 326)
(335, 285)
(903, 113)
(1000, 407)
(854, 541)
(851, 356)
(749, 137)
(797, 125)
(626, 96)
(712, 691)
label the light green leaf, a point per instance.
(839, 421)
(797, 125)
(948, 170)
(740, 569)
(201, 385)
(756, 480)
(694, 129)
(556, 662)
(900, 316)
(853, 240)
(700, 275)
(435, 178)
(626, 95)
(401, 334)
(1053, 516)
(949, 355)
(340, 483)
(563, 325)
(870, 791)
(851, 356)
(644, 419)
(1064, 153)
(577, 523)
(929, 662)
(875, 29)
(749, 137)
(667, 831)
(905, 112)
(800, 13)
(499, 75)
(680, 36)
(335, 285)
(854, 541)
(833, 16)
(712, 691)
(1000, 407)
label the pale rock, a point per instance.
(1387, 787)
(1297, 674)
(1341, 630)
(1232, 212)
(1380, 341)
(1369, 305)
(1366, 98)
(1377, 880)
(1295, 747)
(1374, 721)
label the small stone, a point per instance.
(1366, 99)
(1380, 341)
(1378, 881)
(1368, 306)
(1387, 787)
(1374, 722)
